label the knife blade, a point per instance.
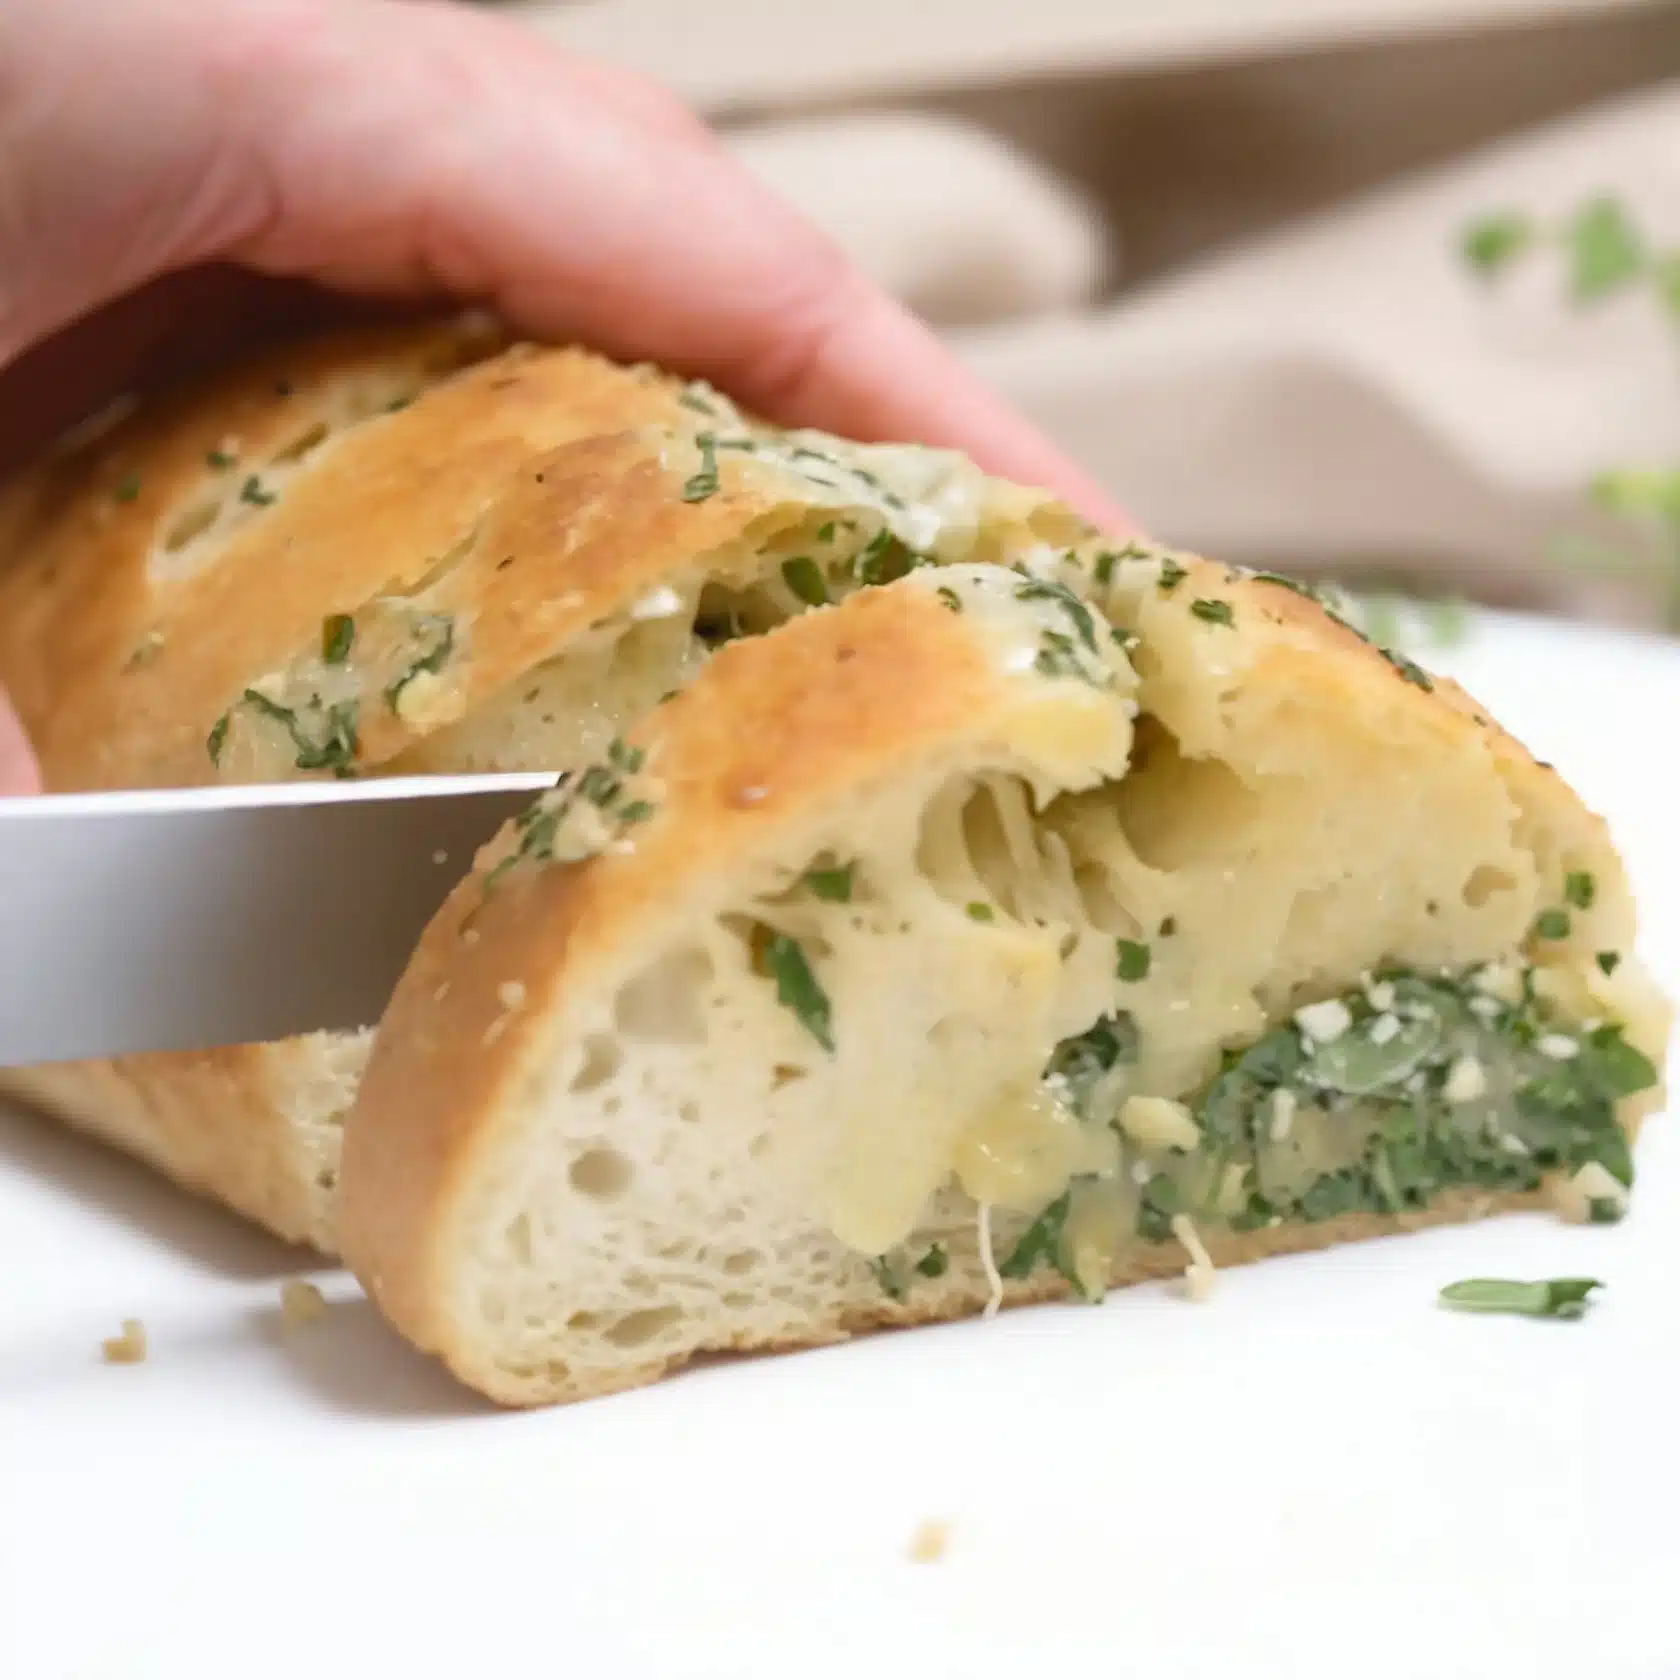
(187, 919)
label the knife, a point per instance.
(182, 920)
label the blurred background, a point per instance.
(1380, 291)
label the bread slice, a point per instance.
(414, 550)
(992, 936)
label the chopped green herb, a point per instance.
(886, 1275)
(825, 531)
(338, 635)
(397, 404)
(1058, 657)
(1580, 889)
(833, 885)
(217, 739)
(440, 626)
(798, 989)
(256, 493)
(128, 488)
(704, 483)
(1409, 671)
(884, 559)
(1552, 1298)
(1552, 924)
(324, 736)
(804, 578)
(1213, 612)
(1605, 249)
(1038, 589)
(691, 399)
(1490, 244)
(637, 811)
(1131, 960)
(1080, 1063)
(1041, 1242)
(980, 911)
(219, 460)
(1604, 1210)
(1172, 575)
(935, 1263)
(1609, 961)
(950, 597)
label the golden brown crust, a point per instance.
(543, 505)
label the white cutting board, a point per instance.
(1316, 1474)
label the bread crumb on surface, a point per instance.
(300, 1303)
(127, 1349)
(930, 1542)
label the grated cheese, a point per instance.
(1324, 1022)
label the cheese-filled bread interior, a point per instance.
(992, 935)
(420, 549)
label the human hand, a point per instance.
(178, 177)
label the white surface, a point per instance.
(1318, 1473)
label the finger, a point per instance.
(413, 148)
(18, 773)
(586, 204)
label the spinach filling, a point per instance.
(1420, 1083)
(1451, 1086)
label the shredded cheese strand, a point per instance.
(994, 1278)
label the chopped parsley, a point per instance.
(547, 831)
(703, 484)
(324, 736)
(1058, 657)
(1491, 243)
(1041, 1242)
(1131, 960)
(441, 627)
(949, 597)
(1078, 613)
(1409, 669)
(338, 635)
(884, 559)
(216, 741)
(887, 1276)
(798, 989)
(1213, 612)
(219, 460)
(1605, 249)
(691, 399)
(1608, 961)
(1551, 1298)
(935, 1263)
(1172, 575)
(1552, 924)
(833, 886)
(1580, 889)
(980, 911)
(825, 531)
(254, 491)
(805, 580)
(128, 488)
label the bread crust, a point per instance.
(224, 1123)
(545, 502)
(834, 702)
